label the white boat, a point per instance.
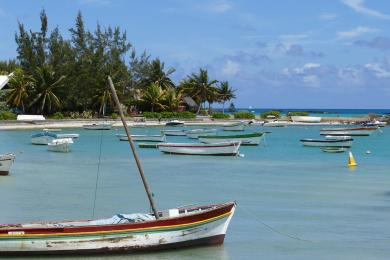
(100, 126)
(6, 161)
(73, 136)
(51, 129)
(276, 123)
(375, 123)
(43, 138)
(306, 119)
(334, 149)
(357, 131)
(239, 126)
(227, 148)
(195, 133)
(245, 139)
(327, 142)
(170, 132)
(147, 138)
(338, 137)
(30, 118)
(175, 123)
(60, 145)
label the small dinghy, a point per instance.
(195, 133)
(6, 161)
(60, 145)
(245, 139)
(169, 132)
(146, 138)
(73, 136)
(239, 126)
(226, 148)
(100, 126)
(174, 123)
(334, 149)
(327, 142)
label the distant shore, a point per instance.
(79, 123)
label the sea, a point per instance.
(293, 202)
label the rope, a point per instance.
(97, 173)
(250, 214)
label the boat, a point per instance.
(276, 123)
(147, 145)
(357, 131)
(338, 137)
(147, 138)
(100, 126)
(239, 126)
(306, 119)
(43, 138)
(73, 136)
(245, 139)
(6, 161)
(222, 148)
(195, 133)
(327, 142)
(169, 132)
(174, 123)
(52, 129)
(60, 145)
(375, 123)
(168, 229)
(334, 149)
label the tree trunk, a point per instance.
(199, 107)
(223, 107)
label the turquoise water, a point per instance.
(302, 192)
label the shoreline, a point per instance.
(78, 123)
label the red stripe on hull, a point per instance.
(4, 173)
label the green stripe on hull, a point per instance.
(232, 136)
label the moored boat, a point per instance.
(147, 138)
(375, 123)
(6, 161)
(356, 131)
(100, 126)
(73, 136)
(175, 123)
(276, 123)
(327, 142)
(43, 138)
(245, 139)
(170, 132)
(306, 119)
(334, 149)
(51, 129)
(239, 126)
(225, 148)
(195, 133)
(60, 145)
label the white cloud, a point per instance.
(328, 17)
(218, 6)
(359, 7)
(356, 32)
(378, 70)
(311, 80)
(230, 68)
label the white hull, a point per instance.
(60, 145)
(43, 140)
(97, 127)
(6, 162)
(234, 127)
(306, 119)
(275, 124)
(173, 132)
(244, 141)
(327, 144)
(200, 149)
(361, 132)
(68, 136)
(194, 134)
(147, 138)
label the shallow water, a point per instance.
(314, 205)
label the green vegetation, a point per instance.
(270, 113)
(298, 113)
(220, 116)
(114, 116)
(57, 115)
(7, 115)
(69, 75)
(181, 115)
(244, 115)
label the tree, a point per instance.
(173, 98)
(225, 93)
(154, 96)
(46, 83)
(20, 87)
(156, 74)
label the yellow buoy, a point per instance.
(351, 160)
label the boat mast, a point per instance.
(132, 146)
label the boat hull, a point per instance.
(6, 162)
(194, 134)
(244, 140)
(194, 229)
(173, 132)
(146, 138)
(346, 143)
(42, 140)
(98, 127)
(221, 149)
(60, 148)
(306, 119)
(234, 127)
(364, 131)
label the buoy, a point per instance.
(368, 152)
(241, 155)
(351, 160)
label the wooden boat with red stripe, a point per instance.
(177, 228)
(222, 148)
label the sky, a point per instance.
(275, 53)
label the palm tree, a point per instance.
(46, 83)
(225, 93)
(173, 98)
(20, 86)
(156, 74)
(104, 97)
(199, 87)
(154, 96)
